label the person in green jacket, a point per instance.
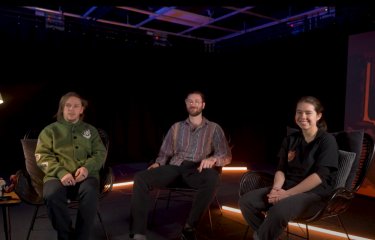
(70, 152)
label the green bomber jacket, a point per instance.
(63, 147)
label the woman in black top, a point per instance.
(308, 161)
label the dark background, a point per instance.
(137, 91)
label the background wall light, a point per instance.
(1, 99)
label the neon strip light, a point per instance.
(234, 168)
(123, 184)
(317, 229)
(231, 209)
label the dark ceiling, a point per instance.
(204, 24)
(208, 24)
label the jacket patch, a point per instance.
(44, 165)
(87, 134)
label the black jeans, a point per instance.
(206, 182)
(278, 215)
(56, 196)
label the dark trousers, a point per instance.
(271, 227)
(56, 196)
(206, 182)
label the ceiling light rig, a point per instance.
(160, 39)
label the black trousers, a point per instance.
(56, 196)
(271, 227)
(206, 182)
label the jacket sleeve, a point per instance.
(46, 158)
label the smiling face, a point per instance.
(73, 109)
(306, 116)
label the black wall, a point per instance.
(136, 94)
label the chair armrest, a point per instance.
(25, 189)
(252, 180)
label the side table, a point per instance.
(5, 204)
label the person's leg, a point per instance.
(252, 204)
(54, 194)
(206, 183)
(145, 181)
(88, 195)
(278, 216)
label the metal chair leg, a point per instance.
(209, 216)
(307, 231)
(218, 204)
(342, 225)
(155, 204)
(36, 209)
(101, 222)
(246, 232)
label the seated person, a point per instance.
(191, 150)
(306, 174)
(70, 152)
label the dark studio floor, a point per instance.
(168, 222)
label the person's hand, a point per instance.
(81, 174)
(68, 180)
(206, 163)
(276, 195)
(154, 165)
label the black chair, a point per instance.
(180, 191)
(29, 185)
(350, 178)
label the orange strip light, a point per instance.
(234, 168)
(122, 184)
(317, 229)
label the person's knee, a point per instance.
(88, 189)
(47, 195)
(52, 189)
(212, 178)
(277, 213)
(139, 177)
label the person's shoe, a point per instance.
(255, 236)
(137, 237)
(188, 234)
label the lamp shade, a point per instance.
(1, 99)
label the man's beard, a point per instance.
(193, 112)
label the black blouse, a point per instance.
(299, 159)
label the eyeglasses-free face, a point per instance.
(192, 101)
